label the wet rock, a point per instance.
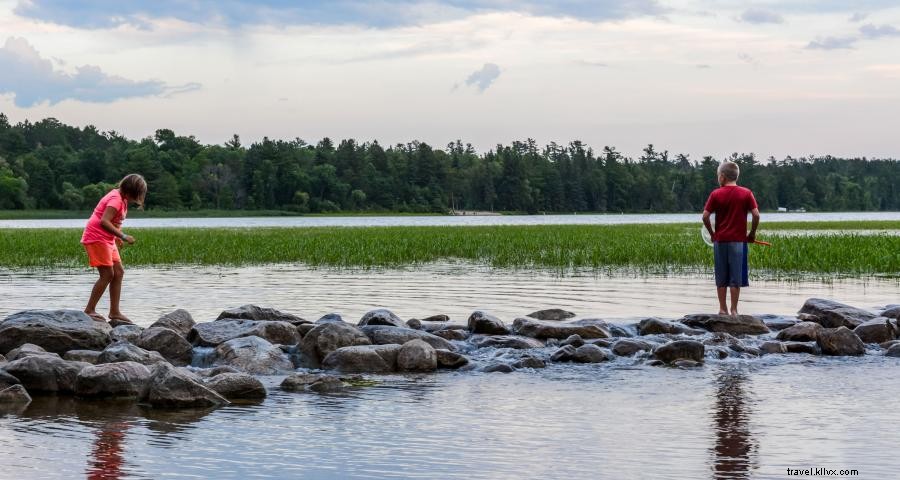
(892, 312)
(253, 355)
(601, 342)
(777, 322)
(507, 341)
(169, 343)
(7, 380)
(452, 334)
(259, 314)
(414, 324)
(801, 332)
(485, 323)
(573, 340)
(621, 331)
(57, 331)
(305, 328)
(888, 344)
(564, 354)
(416, 356)
(450, 360)
(386, 335)
(840, 341)
(878, 330)
(552, 314)
(314, 382)
(894, 351)
(811, 348)
(773, 347)
(328, 337)
(27, 350)
(498, 368)
(123, 351)
(656, 326)
(330, 318)
(14, 395)
(549, 329)
(432, 327)
(45, 373)
(436, 318)
(381, 316)
(173, 388)
(740, 325)
(592, 354)
(179, 321)
(628, 347)
(237, 386)
(119, 379)
(685, 363)
(212, 334)
(129, 333)
(831, 314)
(328, 384)
(2, 359)
(680, 349)
(217, 370)
(363, 359)
(529, 362)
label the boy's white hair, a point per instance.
(729, 169)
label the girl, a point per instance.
(102, 238)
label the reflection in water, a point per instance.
(735, 448)
(106, 455)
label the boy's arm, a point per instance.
(707, 223)
(751, 237)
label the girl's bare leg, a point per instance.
(106, 276)
(115, 293)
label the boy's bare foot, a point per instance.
(723, 312)
(96, 316)
(118, 319)
(734, 313)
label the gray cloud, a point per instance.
(32, 79)
(832, 43)
(873, 31)
(747, 58)
(757, 16)
(485, 77)
(858, 17)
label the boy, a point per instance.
(730, 203)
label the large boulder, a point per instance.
(840, 341)
(171, 387)
(680, 349)
(452, 334)
(658, 326)
(180, 321)
(314, 382)
(563, 354)
(627, 347)
(893, 351)
(892, 312)
(45, 373)
(260, 314)
(7, 380)
(330, 318)
(120, 379)
(169, 343)
(253, 355)
(878, 330)
(831, 314)
(215, 333)
(772, 347)
(507, 341)
(363, 359)
(123, 351)
(56, 331)
(386, 335)
(319, 342)
(485, 323)
(416, 356)
(14, 395)
(800, 332)
(739, 325)
(27, 350)
(552, 314)
(129, 333)
(450, 360)
(811, 348)
(592, 354)
(543, 329)
(381, 316)
(237, 386)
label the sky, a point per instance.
(702, 77)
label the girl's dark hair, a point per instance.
(134, 187)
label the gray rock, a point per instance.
(179, 321)
(893, 351)
(507, 341)
(573, 340)
(680, 349)
(432, 327)
(253, 355)
(217, 370)
(2, 359)
(416, 356)
(14, 395)
(560, 330)
(129, 333)
(450, 360)
(564, 354)
(740, 325)
(452, 334)
(498, 368)
(169, 343)
(888, 344)
(7, 380)
(601, 342)
(773, 347)
(330, 318)
(57, 331)
(119, 379)
(529, 361)
(801, 332)
(685, 363)
(627, 347)
(386, 335)
(592, 354)
(777, 322)
(831, 314)
(315, 382)
(259, 314)
(414, 324)
(552, 314)
(174, 388)
(620, 330)
(123, 351)
(237, 386)
(656, 326)
(27, 350)
(329, 384)
(436, 318)
(328, 337)
(811, 348)
(485, 323)
(45, 373)
(892, 312)
(215, 333)
(305, 328)
(363, 359)
(878, 330)
(381, 316)
(840, 341)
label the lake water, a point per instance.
(471, 220)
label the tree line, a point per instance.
(50, 165)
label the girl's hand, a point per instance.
(119, 242)
(129, 239)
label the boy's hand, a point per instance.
(751, 237)
(129, 239)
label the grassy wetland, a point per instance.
(826, 248)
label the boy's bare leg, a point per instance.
(735, 296)
(115, 293)
(106, 277)
(723, 310)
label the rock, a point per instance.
(260, 314)
(180, 321)
(451, 334)
(437, 318)
(592, 354)
(601, 342)
(627, 347)
(451, 360)
(330, 318)
(680, 349)
(315, 382)
(432, 327)
(253, 355)
(171, 387)
(620, 330)
(801, 332)
(840, 341)
(2, 359)
(498, 368)
(889, 344)
(129, 333)
(573, 340)
(564, 354)
(169, 343)
(386, 335)
(27, 350)
(416, 356)
(685, 363)
(878, 330)
(329, 384)
(45, 373)
(529, 361)
(803, 347)
(777, 322)
(57, 331)
(363, 359)
(482, 322)
(414, 324)
(123, 351)
(740, 325)
(656, 326)
(119, 379)
(14, 395)
(831, 314)
(305, 328)
(217, 370)
(773, 347)
(548, 329)
(215, 333)
(552, 314)
(893, 312)
(894, 351)
(381, 316)
(328, 337)
(237, 386)
(508, 341)
(7, 380)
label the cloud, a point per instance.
(873, 31)
(832, 43)
(33, 79)
(485, 77)
(747, 58)
(757, 16)
(858, 17)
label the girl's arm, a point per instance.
(106, 223)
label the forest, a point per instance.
(50, 165)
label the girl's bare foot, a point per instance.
(734, 313)
(96, 316)
(723, 312)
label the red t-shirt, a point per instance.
(93, 231)
(731, 205)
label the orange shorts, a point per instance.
(102, 254)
